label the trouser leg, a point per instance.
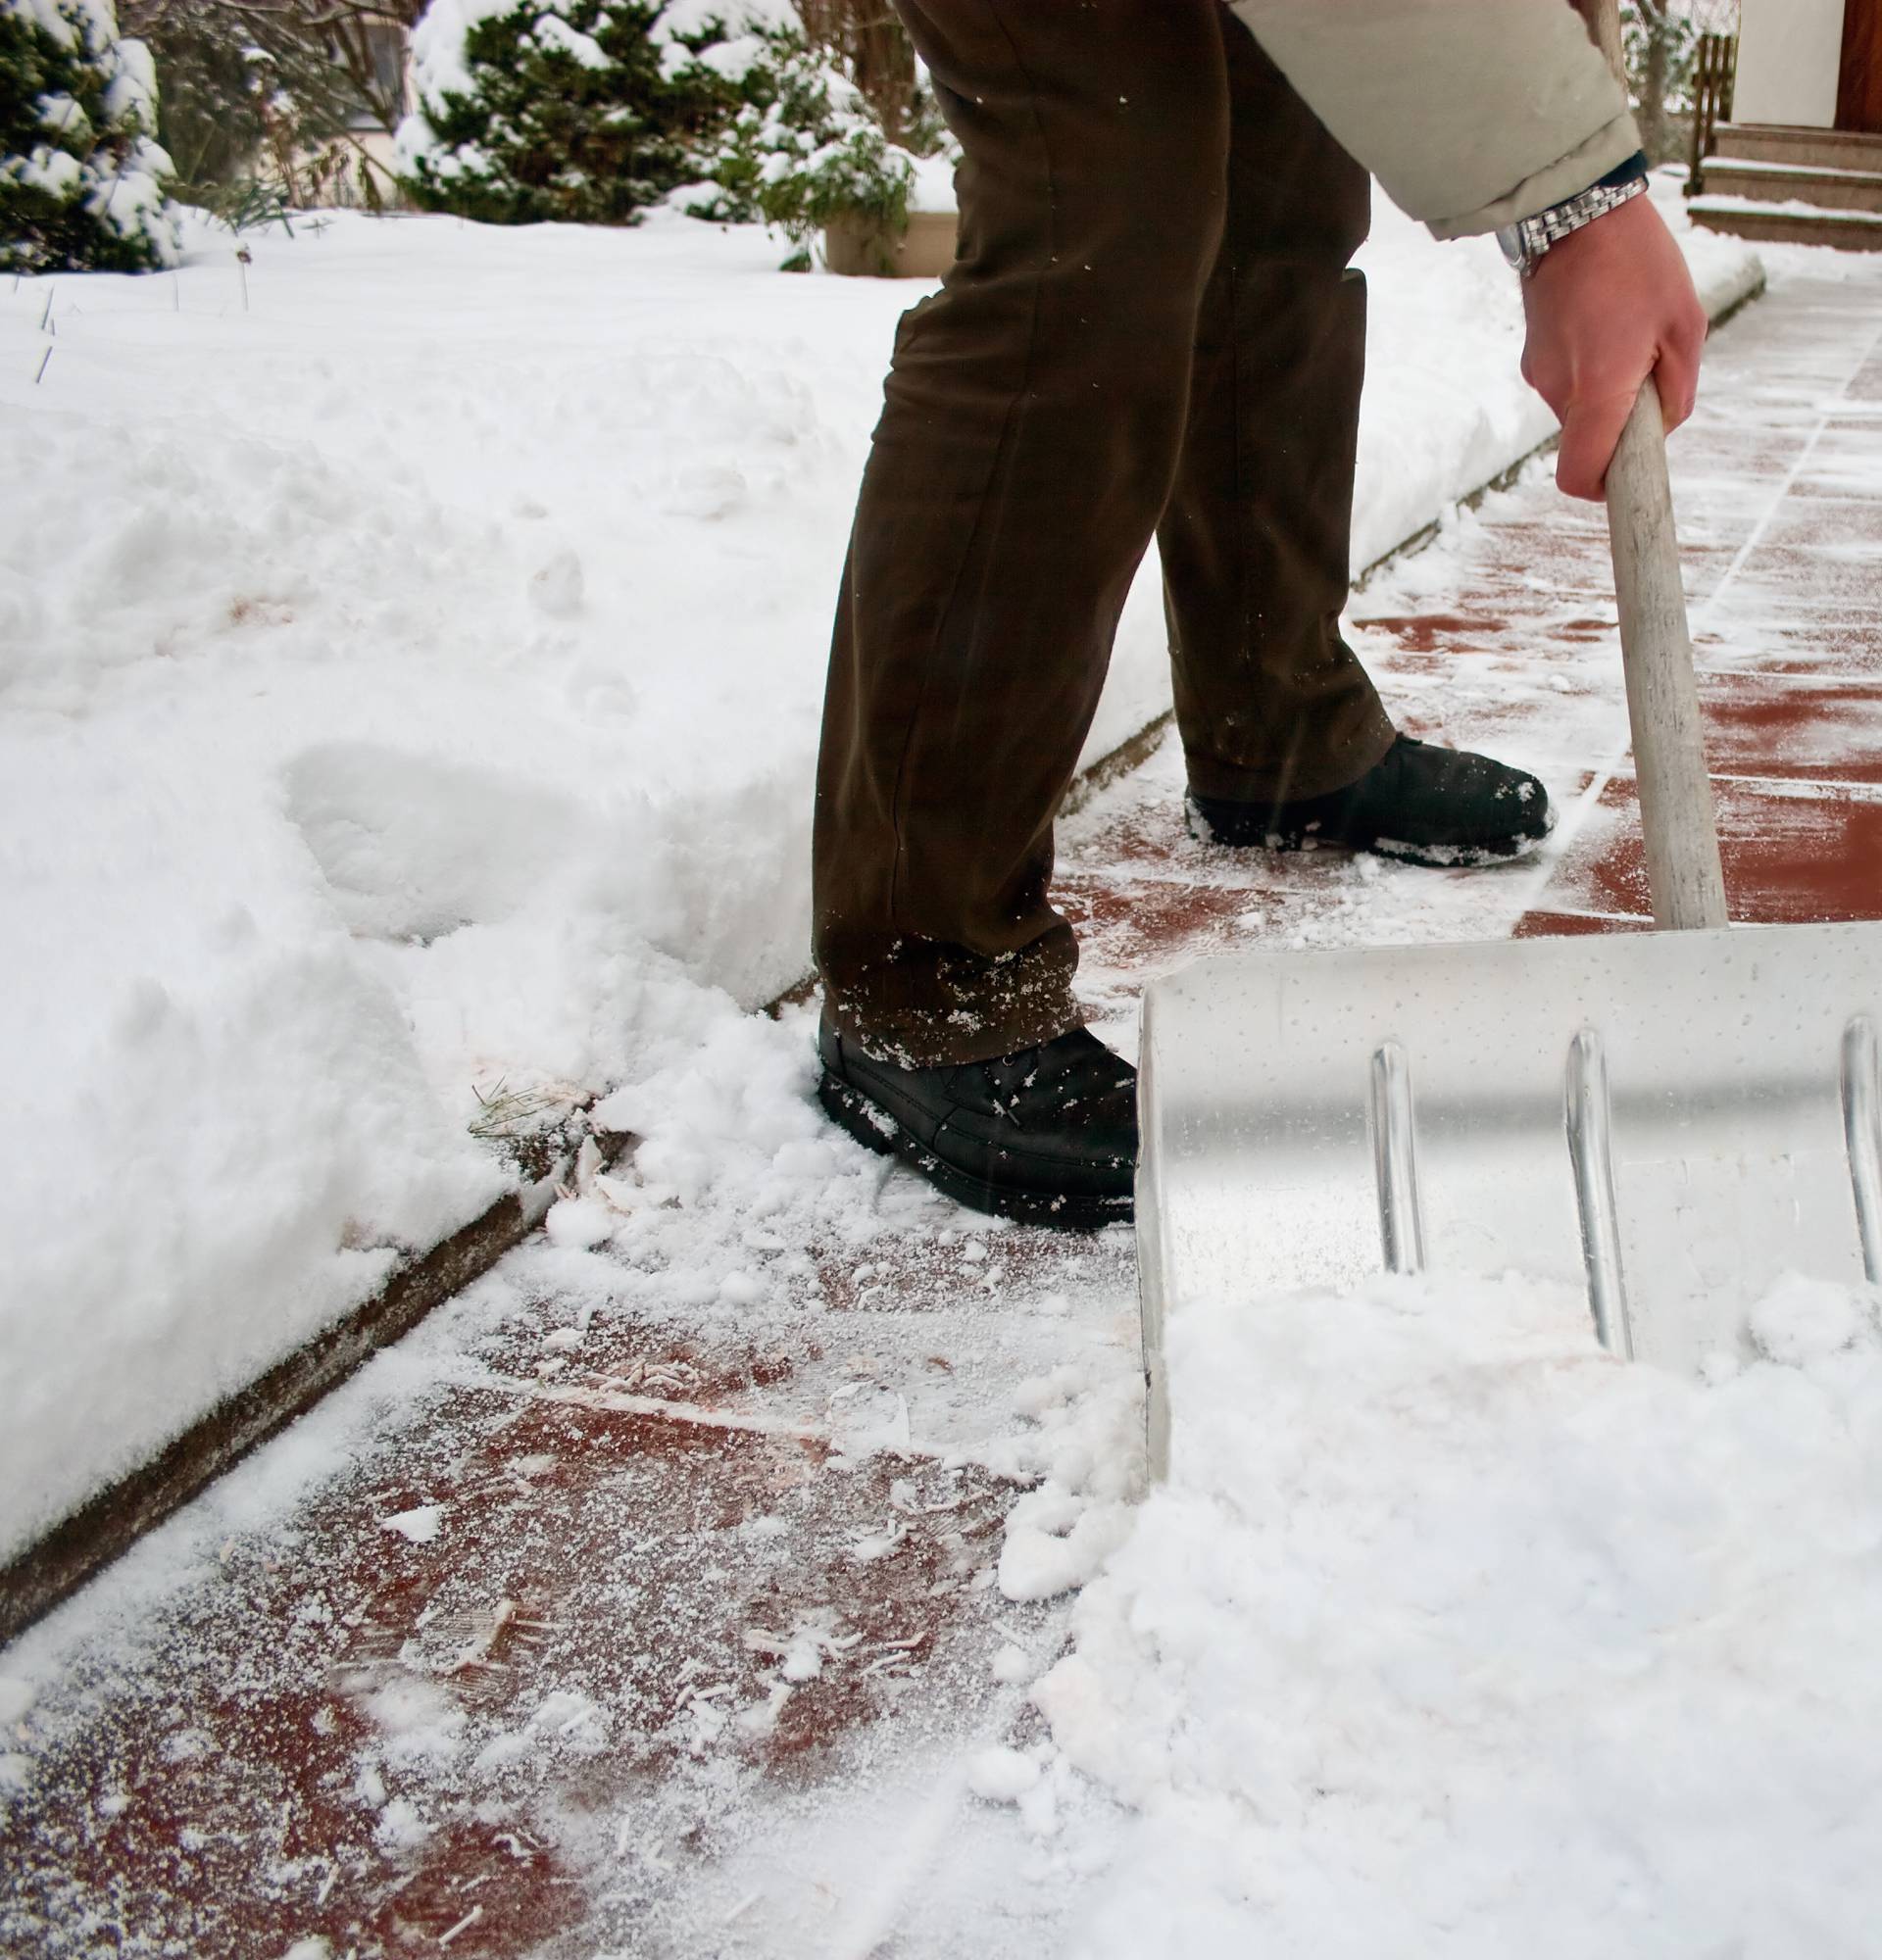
(1032, 425)
(1270, 703)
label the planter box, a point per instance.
(863, 250)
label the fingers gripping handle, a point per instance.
(1663, 695)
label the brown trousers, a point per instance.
(1151, 329)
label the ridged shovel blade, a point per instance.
(1670, 1121)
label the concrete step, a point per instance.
(1768, 223)
(1813, 149)
(1786, 184)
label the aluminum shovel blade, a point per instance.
(1670, 1120)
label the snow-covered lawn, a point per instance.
(411, 646)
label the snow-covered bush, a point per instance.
(806, 149)
(580, 110)
(81, 176)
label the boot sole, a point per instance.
(1440, 856)
(1466, 856)
(876, 1129)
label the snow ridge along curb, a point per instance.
(111, 1523)
(57, 1565)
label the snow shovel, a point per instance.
(1670, 1120)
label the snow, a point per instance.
(408, 685)
(553, 33)
(54, 172)
(418, 1526)
(1787, 207)
(1449, 1634)
(62, 115)
(438, 64)
(932, 188)
(70, 23)
(134, 88)
(1002, 1776)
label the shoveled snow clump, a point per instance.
(1450, 1636)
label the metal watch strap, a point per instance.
(1524, 242)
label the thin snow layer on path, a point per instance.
(411, 649)
(1450, 1636)
(877, 1357)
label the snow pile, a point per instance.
(394, 678)
(1450, 1636)
(730, 1141)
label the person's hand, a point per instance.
(1608, 306)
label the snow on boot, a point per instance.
(1047, 1134)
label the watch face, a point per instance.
(1510, 238)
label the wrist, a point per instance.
(1526, 243)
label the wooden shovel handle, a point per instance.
(1676, 817)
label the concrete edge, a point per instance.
(54, 1567)
(83, 1542)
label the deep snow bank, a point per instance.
(410, 663)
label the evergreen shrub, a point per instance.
(807, 148)
(82, 181)
(584, 111)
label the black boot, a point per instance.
(1047, 1135)
(1424, 804)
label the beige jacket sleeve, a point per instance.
(1470, 112)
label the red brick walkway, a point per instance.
(654, 1657)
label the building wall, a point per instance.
(1789, 52)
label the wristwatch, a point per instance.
(1525, 241)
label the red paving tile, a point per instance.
(1786, 639)
(1843, 462)
(1572, 925)
(1451, 634)
(646, 1568)
(1781, 516)
(1758, 725)
(1792, 853)
(1791, 857)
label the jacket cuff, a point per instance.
(1568, 176)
